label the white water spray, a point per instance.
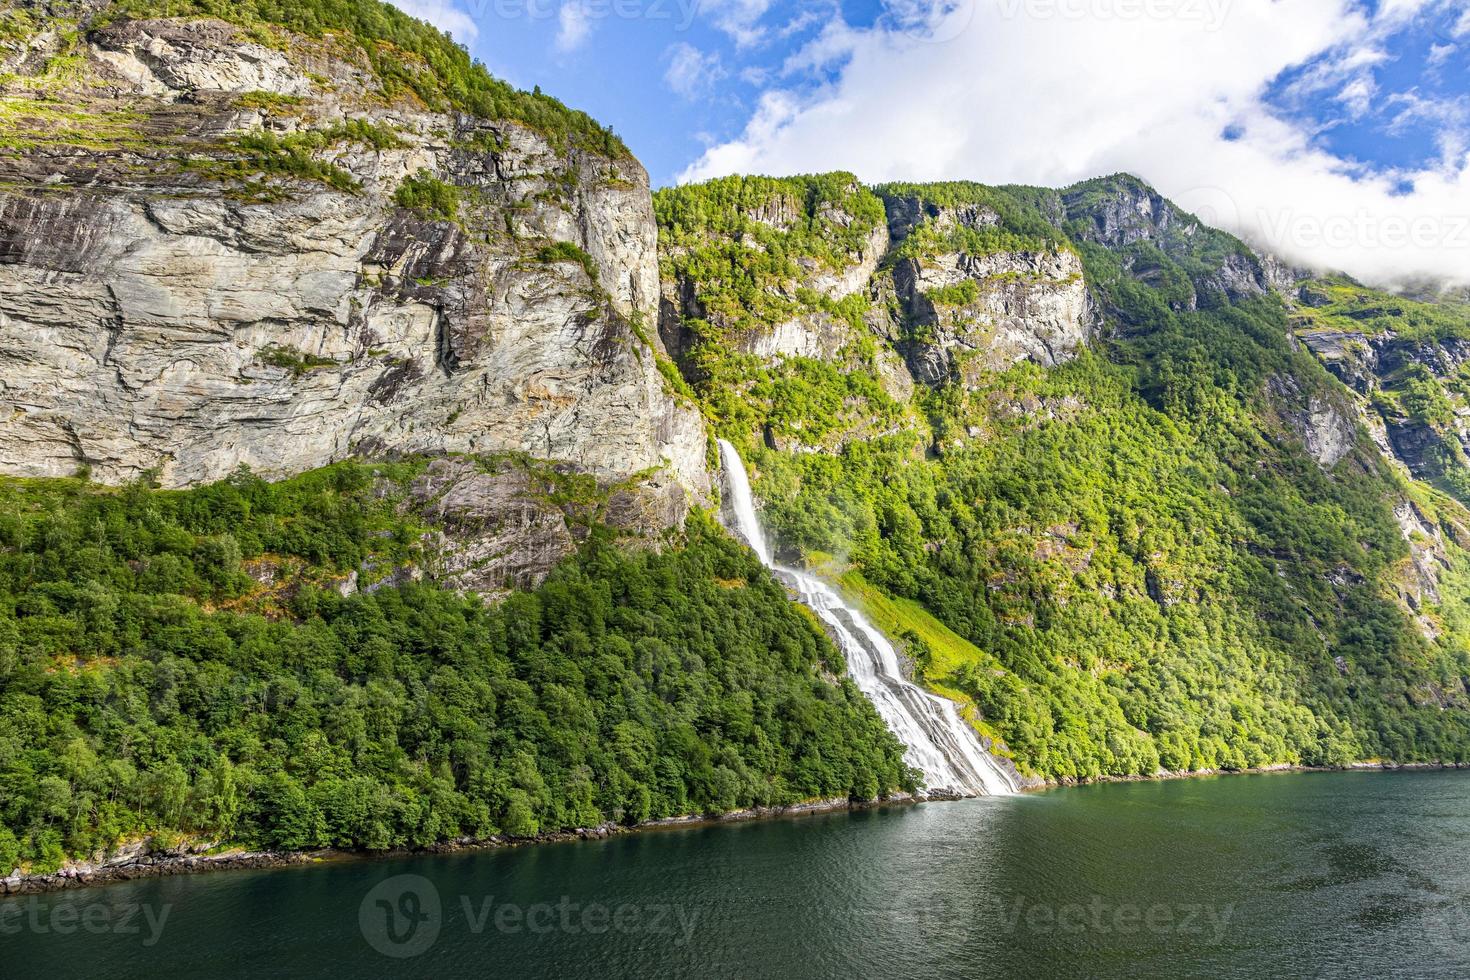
(940, 743)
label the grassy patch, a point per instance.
(567, 252)
(958, 294)
(33, 124)
(296, 361)
(295, 155)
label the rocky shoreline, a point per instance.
(138, 859)
(1165, 774)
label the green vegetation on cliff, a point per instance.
(752, 243)
(1005, 219)
(1148, 567)
(749, 248)
(1342, 304)
(1409, 359)
(406, 54)
(182, 662)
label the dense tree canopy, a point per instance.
(149, 684)
(1147, 566)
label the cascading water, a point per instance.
(940, 743)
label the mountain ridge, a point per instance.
(1166, 504)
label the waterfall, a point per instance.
(939, 742)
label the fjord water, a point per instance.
(939, 742)
(1268, 876)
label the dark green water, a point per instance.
(1248, 876)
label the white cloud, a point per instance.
(573, 25)
(444, 15)
(1358, 94)
(1023, 96)
(692, 72)
(738, 18)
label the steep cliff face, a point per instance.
(970, 314)
(219, 252)
(764, 268)
(974, 297)
(770, 307)
(1190, 264)
(1405, 361)
(771, 286)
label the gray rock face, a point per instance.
(1283, 277)
(498, 529)
(1366, 362)
(1327, 429)
(975, 314)
(1428, 560)
(189, 319)
(1122, 212)
(853, 276)
(1132, 213)
(813, 332)
(1350, 356)
(501, 526)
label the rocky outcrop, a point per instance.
(1362, 359)
(807, 328)
(140, 859)
(1326, 428)
(237, 276)
(1131, 219)
(503, 525)
(968, 315)
(1282, 276)
(1418, 583)
(852, 276)
(1374, 364)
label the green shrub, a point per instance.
(428, 197)
(567, 252)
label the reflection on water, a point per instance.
(1248, 876)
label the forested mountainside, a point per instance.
(1079, 429)
(243, 241)
(356, 417)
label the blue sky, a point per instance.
(1331, 131)
(671, 76)
(1393, 111)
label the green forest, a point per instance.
(150, 685)
(1158, 574)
